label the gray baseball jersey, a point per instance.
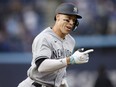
(48, 45)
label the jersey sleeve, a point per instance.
(41, 48)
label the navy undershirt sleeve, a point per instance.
(39, 61)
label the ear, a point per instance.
(57, 17)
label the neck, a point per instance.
(58, 32)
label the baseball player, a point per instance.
(53, 51)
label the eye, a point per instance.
(67, 20)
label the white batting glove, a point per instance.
(80, 57)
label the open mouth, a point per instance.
(69, 28)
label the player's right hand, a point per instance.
(80, 57)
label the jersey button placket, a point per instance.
(63, 48)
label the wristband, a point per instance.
(72, 61)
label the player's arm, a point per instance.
(49, 65)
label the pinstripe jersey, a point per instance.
(48, 45)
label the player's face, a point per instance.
(66, 23)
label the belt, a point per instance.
(39, 85)
(36, 84)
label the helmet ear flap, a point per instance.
(76, 25)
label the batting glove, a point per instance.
(80, 57)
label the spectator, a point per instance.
(103, 79)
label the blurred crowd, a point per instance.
(22, 20)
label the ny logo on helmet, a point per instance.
(75, 9)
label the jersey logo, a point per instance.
(60, 53)
(55, 41)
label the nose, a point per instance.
(71, 22)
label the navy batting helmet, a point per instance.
(68, 9)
